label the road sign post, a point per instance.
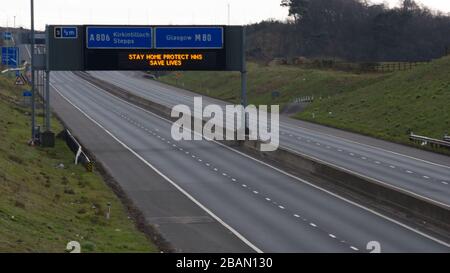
(33, 97)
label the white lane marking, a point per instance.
(207, 164)
(233, 179)
(281, 207)
(445, 183)
(332, 236)
(364, 158)
(354, 248)
(304, 181)
(215, 169)
(426, 177)
(185, 193)
(245, 186)
(377, 162)
(370, 146)
(340, 151)
(312, 224)
(392, 167)
(268, 199)
(410, 172)
(352, 154)
(296, 216)
(255, 192)
(224, 174)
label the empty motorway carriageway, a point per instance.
(206, 196)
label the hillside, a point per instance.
(44, 206)
(292, 82)
(417, 100)
(386, 106)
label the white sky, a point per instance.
(152, 12)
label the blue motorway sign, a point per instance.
(7, 36)
(189, 37)
(10, 56)
(119, 37)
(66, 32)
(27, 94)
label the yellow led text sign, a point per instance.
(166, 60)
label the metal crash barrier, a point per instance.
(430, 141)
(77, 149)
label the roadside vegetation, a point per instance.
(290, 81)
(383, 105)
(417, 100)
(46, 201)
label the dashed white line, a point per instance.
(410, 172)
(354, 248)
(281, 207)
(312, 224)
(426, 177)
(255, 192)
(445, 183)
(332, 236)
(296, 216)
(392, 167)
(268, 199)
(245, 186)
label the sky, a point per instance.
(151, 12)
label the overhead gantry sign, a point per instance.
(146, 48)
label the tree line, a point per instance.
(352, 30)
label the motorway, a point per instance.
(267, 209)
(419, 173)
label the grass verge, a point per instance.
(44, 206)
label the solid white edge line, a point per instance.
(288, 174)
(236, 233)
(372, 179)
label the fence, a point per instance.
(303, 99)
(363, 67)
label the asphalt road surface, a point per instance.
(263, 207)
(418, 172)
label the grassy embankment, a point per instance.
(43, 207)
(381, 105)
